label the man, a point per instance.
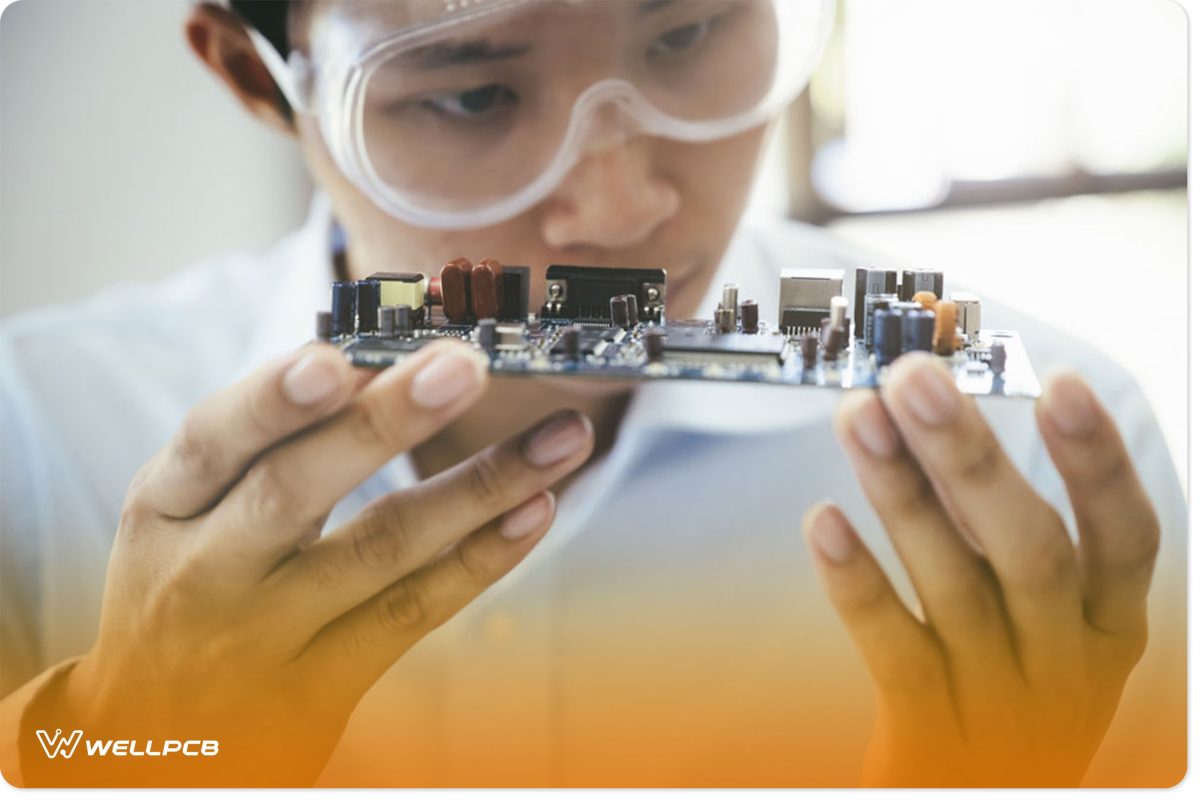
(276, 561)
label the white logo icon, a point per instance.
(58, 744)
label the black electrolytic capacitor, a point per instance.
(631, 308)
(324, 326)
(568, 340)
(342, 308)
(869, 280)
(386, 327)
(887, 335)
(405, 319)
(808, 349)
(618, 311)
(917, 331)
(749, 316)
(366, 297)
(486, 328)
(655, 343)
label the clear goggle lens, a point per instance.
(469, 119)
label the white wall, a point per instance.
(120, 156)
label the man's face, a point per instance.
(635, 201)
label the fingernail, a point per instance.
(447, 377)
(829, 534)
(560, 437)
(1071, 406)
(310, 380)
(873, 429)
(528, 517)
(930, 394)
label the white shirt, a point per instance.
(671, 603)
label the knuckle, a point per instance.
(487, 479)
(193, 449)
(914, 672)
(983, 463)
(378, 424)
(473, 565)
(1049, 566)
(962, 609)
(381, 540)
(403, 608)
(267, 495)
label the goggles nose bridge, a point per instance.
(609, 114)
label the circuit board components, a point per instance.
(607, 322)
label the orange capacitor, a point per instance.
(945, 327)
(927, 300)
(456, 289)
(487, 288)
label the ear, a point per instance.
(219, 39)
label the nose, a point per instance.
(613, 198)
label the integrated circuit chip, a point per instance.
(690, 344)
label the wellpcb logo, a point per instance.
(59, 745)
(64, 746)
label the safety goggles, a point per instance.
(465, 113)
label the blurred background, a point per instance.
(1035, 149)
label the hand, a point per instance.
(1013, 672)
(227, 618)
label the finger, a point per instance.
(902, 655)
(363, 643)
(956, 587)
(284, 498)
(1118, 528)
(400, 532)
(1020, 533)
(222, 434)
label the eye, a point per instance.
(480, 103)
(680, 41)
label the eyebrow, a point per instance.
(452, 54)
(650, 6)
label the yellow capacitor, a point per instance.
(927, 300)
(945, 327)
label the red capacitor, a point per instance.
(487, 288)
(456, 289)
(433, 291)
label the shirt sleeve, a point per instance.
(13, 710)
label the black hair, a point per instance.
(268, 17)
